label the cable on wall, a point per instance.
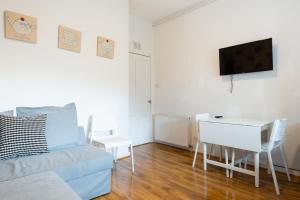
(231, 83)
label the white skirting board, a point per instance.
(174, 145)
(173, 130)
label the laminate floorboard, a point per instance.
(164, 172)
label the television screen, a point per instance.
(245, 58)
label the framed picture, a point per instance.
(105, 47)
(20, 27)
(69, 39)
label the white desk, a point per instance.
(236, 133)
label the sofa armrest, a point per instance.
(82, 136)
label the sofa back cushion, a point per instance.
(22, 136)
(61, 126)
(7, 113)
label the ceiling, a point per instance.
(155, 10)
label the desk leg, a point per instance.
(204, 156)
(226, 161)
(232, 161)
(256, 168)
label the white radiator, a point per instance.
(172, 130)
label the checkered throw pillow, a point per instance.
(22, 136)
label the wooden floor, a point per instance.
(164, 172)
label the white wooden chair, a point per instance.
(275, 141)
(199, 117)
(107, 136)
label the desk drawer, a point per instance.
(231, 135)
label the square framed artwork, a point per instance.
(105, 47)
(69, 39)
(20, 27)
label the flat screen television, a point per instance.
(245, 58)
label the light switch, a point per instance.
(137, 45)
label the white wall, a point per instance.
(41, 74)
(187, 66)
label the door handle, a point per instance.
(149, 101)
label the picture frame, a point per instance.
(105, 47)
(20, 27)
(69, 39)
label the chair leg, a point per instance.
(116, 154)
(246, 160)
(195, 156)
(285, 162)
(107, 150)
(241, 155)
(273, 173)
(132, 160)
(267, 164)
(226, 161)
(221, 152)
(232, 162)
(211, 150)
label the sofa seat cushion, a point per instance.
(70, 163)
(46, 186)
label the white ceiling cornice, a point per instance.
(183, 12)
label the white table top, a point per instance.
(239, 121)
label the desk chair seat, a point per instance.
(265, 147)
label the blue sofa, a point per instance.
(85, 168)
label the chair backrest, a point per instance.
(277, 134)
(198, 118)
(100, 127)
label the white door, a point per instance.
(140, 120)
